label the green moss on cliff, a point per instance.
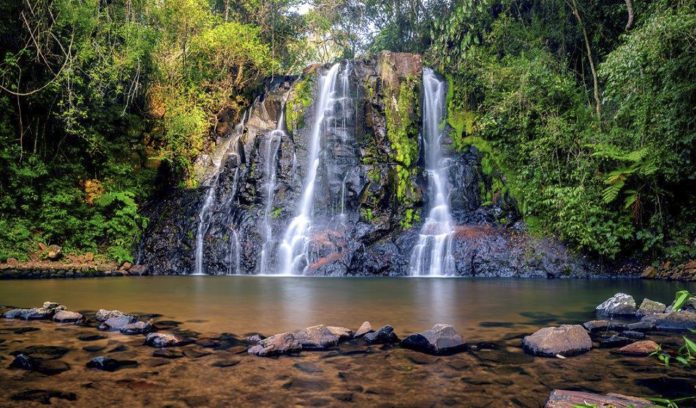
(402, 132)
(299, 101)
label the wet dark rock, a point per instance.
(566, 340)
(308, 368)
(441, 339)
(620, 304)
(22, 330)
(676, 321)
(90, 337)
(93, 349)
(566, 399)
(138, 327)
(596, 325)
(43, 396)
(65, 316)
(110, 364)
(208, 342)
(43, 352)
(648, 307)
(643, 325)
(116, 323)
(614, 341)
(196, 353)
(118, 349)
(36, 313)
(167, 353)
(639, 348)
(633, 334)
(160, 340)
(364, 328)
(226, 363)
(46, 367)
(383, 335)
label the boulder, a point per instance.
(117, 323)
(633, 334)
(639, 348)
(384, 335)
(53, 306)
(620, 304)
(679, 321)
(342, 332)
(65, 316)
(614, 341)
(160, 340)
(138, 327)
(54, 252)
(572, 399)
(110, 364)
(103, 315)
(317, 337)
(17, 314)
(596, 325)
(566, 340)
(364, 328)
(643, 325)
(441, 339)
(283, 343)
(648, 307)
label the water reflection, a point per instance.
(478, 308)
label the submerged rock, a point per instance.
(160, 340)
(441, 339)
(110, 364)
(570, 399)
(384, 335)
(596, 325)
(614, 341)
(648, 307)
(364, 328)
(639, 348)
(46, 367)
(620, 304)
(65, 316)
(566, 340)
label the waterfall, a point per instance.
(273, 140)
(204, 214)
(432, 255)
(293, 248)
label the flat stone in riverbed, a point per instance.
(566, 340)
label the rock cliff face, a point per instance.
(368, 199)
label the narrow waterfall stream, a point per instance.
(293, 248)
(228, 147)
(432, 255)
(273, 140)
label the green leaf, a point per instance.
(680, 299)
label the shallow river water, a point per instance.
(492, 316)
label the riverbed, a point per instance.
(491, 315)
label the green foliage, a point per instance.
(366, 214)
(680, 299)
(402, 132)
(299, 101)
(519, 90)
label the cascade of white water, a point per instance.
(293, 248)
(229, 147)
(273, 140)
(432, 255)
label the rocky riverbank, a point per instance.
(78, 356)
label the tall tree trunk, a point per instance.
(629, 6)
(595, 83)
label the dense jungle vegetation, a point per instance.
(584, 110)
